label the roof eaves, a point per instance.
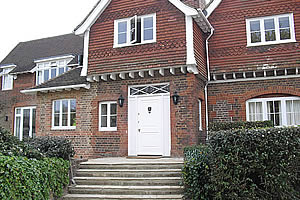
(59, 88)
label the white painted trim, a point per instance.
(200, 114)
(211, 8)
(85, 86)
(8, 76)
(7, 66)
(108, 128)
(254, 79)
(277, 32)
(185, 9)
(190, 54)
(85, 53)
(21, 121)
(92, 17)
(53, 58)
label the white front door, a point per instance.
(150, 140)
(149, 131)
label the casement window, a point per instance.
(7, 79)
(135, 30)
(270, 30)
(48, 70)
(200, 116)
(282, 111)
(108, 116)
(64, 114)
(25, 118)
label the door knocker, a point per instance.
(149, 110)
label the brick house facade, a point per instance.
(138, 58)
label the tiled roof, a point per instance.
(24, 54)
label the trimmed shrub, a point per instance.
(58, 147)
(255, 164)
(25, 179)
(196, 173)
(219, 126)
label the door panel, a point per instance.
(150, 141)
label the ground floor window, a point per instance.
(64, 114)
(108, 116)
(282, 111)
(25, 122)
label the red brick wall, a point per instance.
(89, 142)
(168, 50)
(11, 99)
(227, 49)
(227, 101)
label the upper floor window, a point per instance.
(48, 70)
(282, 111)
(64, 114)
(7, 79)
(270, 30)
(135, 30)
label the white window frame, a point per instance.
(264, 107)
(128, 38)
(277, 30)
(5, 75)
(108, 128)
(21, 121)
(60, 127)
(200, 114)
(51, 64)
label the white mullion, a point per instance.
(142, 29)
(60, 113)
(277, 29)
(21, 125)
(69, 113)
(108, 115)
(262, 30)
(128, 31)
(283, 112)
(265, 110)
(30, 122)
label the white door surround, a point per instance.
(149, 130)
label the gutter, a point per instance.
(31, 91)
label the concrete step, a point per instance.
(128, 173)
(125, 190)
(128, 181)
(95, 165)
(122, 197)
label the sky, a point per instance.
(25, 20)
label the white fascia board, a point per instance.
(184, 8)
(86, 86)
(190, 53)
(7, 66)
(91, 19)
(53, 58)
(211, 8)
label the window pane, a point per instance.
(285, 34)
(26, 123)
(284, 22)
(65, 106)
(252, 108)
(39, 80)
(113, 109)
(255, 37)
(73, 105)
(64, 119)
(254, 26)
(46, 75)
(148, 22)
(269, 24)
(56, 119)
(113, 121)
(122, 38)
(122, 27)
(270, 35)
(103, 121)
(61, 70)
(18, 127)
(289, 106)
(18, 111)
(53, 72)
(33, 122)
(148, 34)
(73, 119)
(56, 106)
(103, 109)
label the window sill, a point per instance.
(8, 89)
(129, 45)
(62, 128)
(108, 129)
(270, 43)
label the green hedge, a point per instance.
(247, 164)
(222, 126)
(25, 179)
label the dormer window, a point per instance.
(50, 69)
(7, 79)
(135, 30)
(270, 30)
